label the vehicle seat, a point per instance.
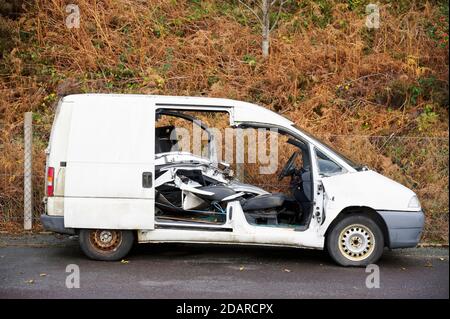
(163, 143)
(220, 192)
(264, 202)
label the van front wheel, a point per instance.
(104, 244)
(356, 240)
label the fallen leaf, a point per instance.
(441, 259)
(403, 268)
(287, 270)
(241, 268)
(31, 281)
(123, 261)
(42, 275)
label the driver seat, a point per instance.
(264, 202)
(262, 208)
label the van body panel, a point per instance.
(57, 149)
(247, 112)
(55, 206)
(110, 147)
(367, 188)
(242, 233)
(363, 189)
(108, 213)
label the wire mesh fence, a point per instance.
(420, 163)
(12, 200)
(13, 174)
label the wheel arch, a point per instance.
(362, 210)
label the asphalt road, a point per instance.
(35, 267)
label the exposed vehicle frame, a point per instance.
(104, 177)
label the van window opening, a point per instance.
(331, 149)
(208, 121)
(327, 167)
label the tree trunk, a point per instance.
(265, 28)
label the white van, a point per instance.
(114, 177)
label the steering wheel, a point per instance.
(287, 169)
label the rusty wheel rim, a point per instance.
(105, 240)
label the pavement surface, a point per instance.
(34, 266)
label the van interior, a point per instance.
(191, 189)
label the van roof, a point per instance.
(242, 111)
(194, 100)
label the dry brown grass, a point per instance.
(336, 79)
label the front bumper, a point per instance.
(56, 224)
(404, 228)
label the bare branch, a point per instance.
(282, 2)
(278, 14)
(259, 4)
(252, 11)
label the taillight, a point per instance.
(50, 179)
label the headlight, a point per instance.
(414, 202)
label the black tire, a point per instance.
(355, 240)
(94, 247)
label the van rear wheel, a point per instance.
(356, 240)
(104, 244)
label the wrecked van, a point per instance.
(116, 177)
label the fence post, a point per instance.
(28, 171)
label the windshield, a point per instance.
(356, 166)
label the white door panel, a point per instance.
(112, 132)
(107, 180)
(108, 213)
(111, 145)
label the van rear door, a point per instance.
(110, 163)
